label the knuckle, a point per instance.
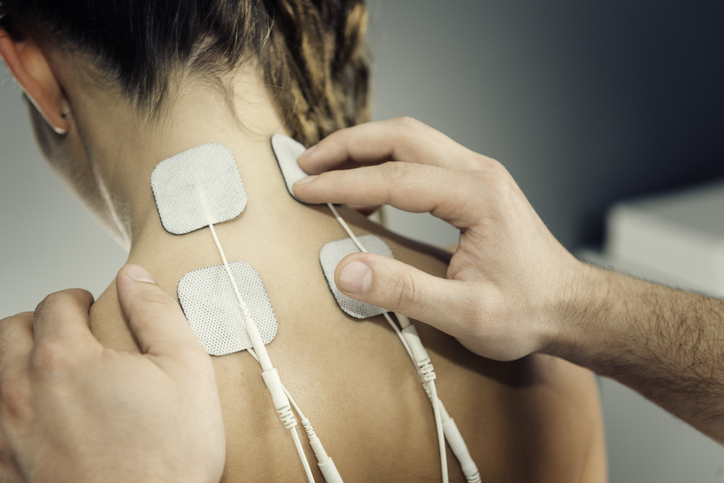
(410, 129)
(395, 172)
(52, 302)
(491, 164)
(408, 294)
(50, 356)
(48, 303)
(407, 123)
(496, 183)
(65, 298)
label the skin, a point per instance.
(535, 419)
(511, 289)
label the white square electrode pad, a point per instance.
(212, 309)
(198, 187)
(332, 253)
(287, 151)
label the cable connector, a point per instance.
(287, 417)
(476, 478)
(458, 447)
(413, 340)
(325, 463)
(419, 353)
(427, 372)
(314, 442)
(279, 398)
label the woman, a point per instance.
(117, 87)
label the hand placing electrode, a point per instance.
(75, 411)
(512, 289)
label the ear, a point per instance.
(31, 68)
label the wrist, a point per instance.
(580, 324)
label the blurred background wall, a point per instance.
(586, 103)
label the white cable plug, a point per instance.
(458, 447)
(325, 463)
(419, 356)
(457, 444)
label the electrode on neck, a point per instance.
(287, 151)
(332, 253)
(208, 300)
(196, 188)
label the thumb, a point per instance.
(154, 317)
(392, 285)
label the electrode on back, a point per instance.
(209, 303)
(332, 253)
(198, 187)
(286, 151)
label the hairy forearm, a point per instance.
(664, 343)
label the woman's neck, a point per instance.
(124, 153)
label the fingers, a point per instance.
(400, 139)
(154, 317)
(395, 286)
(453, 196)
(64, 315)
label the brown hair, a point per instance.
(311, 52)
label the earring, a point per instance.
(60, 130)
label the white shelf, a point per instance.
(675, 239)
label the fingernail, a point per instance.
(139, 274)
(306, 180)
(355, 277)
(308, 151)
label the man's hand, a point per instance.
(74, 411)
(509, 278)
(511, 288)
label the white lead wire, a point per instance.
(435, 403)
(433, 396)
(258, 344)
(346, 228)
(302, 456)
(251, 328)
(440, 433)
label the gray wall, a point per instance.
(584, 102)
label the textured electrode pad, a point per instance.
(286, 151)
(198, 187)
(212, 309)
(332, 253)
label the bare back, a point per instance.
(536, 419)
